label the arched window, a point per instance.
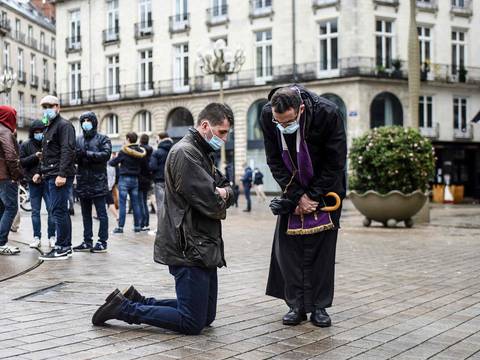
(337, 100)
(178, 122)
(111, 124)
(144, 122)
(254, 132)
(386, 110)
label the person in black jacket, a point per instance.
(157, 166)
(129, 160)
(30, 155)
(189, 237)
(306, 150)
(145, 183)
(93, 152)
(58, 170)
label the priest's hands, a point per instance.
(306, 205)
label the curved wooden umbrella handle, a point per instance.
(338, 202)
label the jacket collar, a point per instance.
(200, 141)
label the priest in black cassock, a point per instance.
(306, 149)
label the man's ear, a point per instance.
(302, 108)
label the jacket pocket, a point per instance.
(206, 251)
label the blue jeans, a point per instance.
(247, 190)
(8, 208)
(145, 214)
(37, 192)
(59, 208)
(194, 308)
(101, 207)
(128, 185)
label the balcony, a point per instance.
(21, 77)
(391, 3)
(179, 23)
(20, 37)
(46, 85)
(217, 15)
(45, 49)
(32, 43)
(111, 36)
(465, 133)
(4, 26)
(431, 132)
(259, 8)
(34, 81)
(143, 30)
(427, 5)
(461, 8)
(73, 44)
(320, 4)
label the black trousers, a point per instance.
(302, 270)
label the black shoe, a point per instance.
(132, 294)
(58, 253)
(294, 317)
(110, 309)
(83, 247)
(71, 211)
(117, 230)
(99, 247)
(320, 318)
(246, 210)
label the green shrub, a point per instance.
(391, 158)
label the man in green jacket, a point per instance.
(189, 236)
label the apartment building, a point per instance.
(135, 64)
(27, 40)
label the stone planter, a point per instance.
(389, 209)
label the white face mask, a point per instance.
(215, 142)
(293, 127)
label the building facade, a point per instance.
(28, 49)
(135, 64)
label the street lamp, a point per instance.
(7, 79)
(221, 61)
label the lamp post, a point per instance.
(7, 79)
(221, 61)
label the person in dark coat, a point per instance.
(258, 185)
(145, 183)
(189, 236)
(58, 170)
(305, 145)
(157, 166)
(129, 160)
(247, 187)
(93, 152)
(30, 155)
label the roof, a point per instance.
(26, 9)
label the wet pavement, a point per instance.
(400, 293)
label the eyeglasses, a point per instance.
(286, 123)
(48, 106)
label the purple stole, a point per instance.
(318, 220)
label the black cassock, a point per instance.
(302, 266)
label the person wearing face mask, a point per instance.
(305, 145)
(30, 156)
(93, 151)
(189, 235)
(57, 169)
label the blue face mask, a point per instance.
(87, 126)
(48, 116)
(290, 129)
(38, 136)
(215, 142)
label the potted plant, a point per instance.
(381, 71)
(462, 74)
(425, 70)
(397, 68)
(390, 171)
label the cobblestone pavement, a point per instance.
(400, 293)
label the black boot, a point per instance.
(294, 317)
(109, 310)
(320, 318)
(133, 294)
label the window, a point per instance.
(113, 76)
(458, 3)
(460, 113)
(262, 6)
(42, 41)
(74, 35)
(458, 50)
(55, 77)
(20, 65)
(52, 47)
(18, 28)
(111, 125)
(425, 112)
(30, 34)
(263, 54)
(424, 39)
(45, 70)
(219, 8)
(328, 45)
(33, 65)
(33, 107)
(145, 122)
(384, 43)
(75, 83)
(6, 55)
(145, 15)
(112, 20)
(180, 63)
(180, 17)
(146, 71)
